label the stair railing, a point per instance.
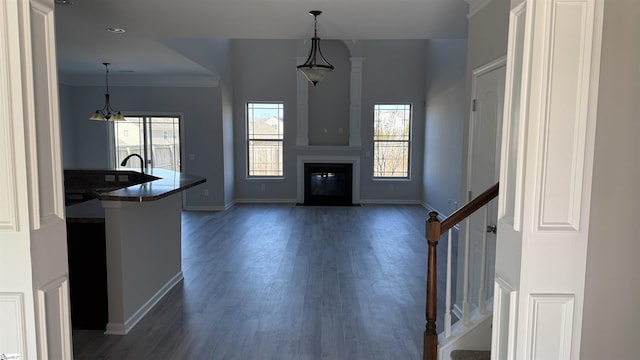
(434, 230)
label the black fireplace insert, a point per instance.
(328, 184)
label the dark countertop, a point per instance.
(167, 183)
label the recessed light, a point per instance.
(64, 2)
(116, 30)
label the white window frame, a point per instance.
(249, 139)
(408, 141)
(113, 158)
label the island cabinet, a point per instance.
(142, 246)
(86, 246)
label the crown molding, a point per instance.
(475, 6)
(141, 80)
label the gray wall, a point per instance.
(611, 319)
(445, 118)
(67, 127)
(487, 41)
(202, 127)
(393, 71)
(329, 99)
(264, 70)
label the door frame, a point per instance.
(476, 73)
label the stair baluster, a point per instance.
(435, 229)
(430, 351)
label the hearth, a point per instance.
(328, 184)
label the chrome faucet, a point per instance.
(124, 162)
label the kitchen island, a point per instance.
(142, 227)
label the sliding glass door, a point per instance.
(155, 138)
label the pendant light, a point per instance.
(107, 113)
(316, 67)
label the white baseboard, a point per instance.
(390, 202)
(204, 208)
(265, 201)
(123, 329)
(476, 336)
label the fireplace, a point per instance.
(328, 184)
(332, 160)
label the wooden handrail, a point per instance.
(469, 208)
(434, 230)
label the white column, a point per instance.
(302, 91)
(355, 108)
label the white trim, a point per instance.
(505, 305)
(14, 319)
(302, 109)
(513, 125)
(123, 329)
(476, 73)
(475, 6)
(141, 80)
(550, 326)
(563, 155)
(205, 208)
(328, 148)
(265, 201)
(390, 202)
(57, 290)
(11, 111)
(355, 105)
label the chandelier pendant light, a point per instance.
(316, 67)
(107, 113)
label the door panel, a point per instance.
(545, 190)
(485, 135)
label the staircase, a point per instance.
(469, 338)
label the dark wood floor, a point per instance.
(287, 282)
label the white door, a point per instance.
(545, 178)
(34, 291)
(483, 171)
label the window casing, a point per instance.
(391, 141)
(155, 138)
(265, 139)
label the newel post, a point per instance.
(430, 351)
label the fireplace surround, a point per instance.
(336, 169)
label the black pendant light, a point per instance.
(316, 67)
(107, 113)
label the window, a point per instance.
(155, 138)
(265, 134)
(391, 140)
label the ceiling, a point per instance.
(174, 37)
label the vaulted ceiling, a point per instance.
(164, 37)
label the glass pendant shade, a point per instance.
(107, 113)
(316, 67)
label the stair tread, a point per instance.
(470, 355)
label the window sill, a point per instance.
(387, 180)
(266, 178)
